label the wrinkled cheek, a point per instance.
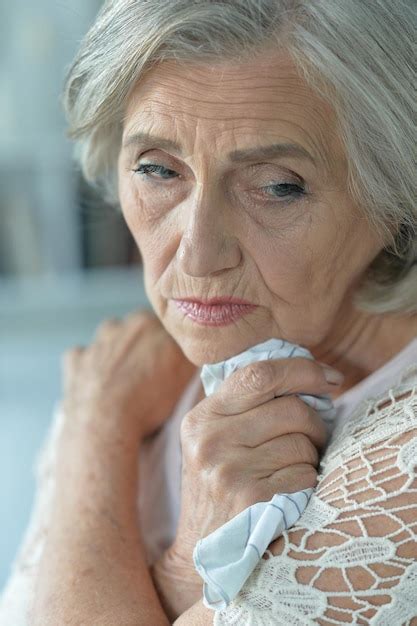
(136, 219)
(130, 209)
(291, 276)
(151, 236)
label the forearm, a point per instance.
(93, 569)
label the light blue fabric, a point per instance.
(226, 558)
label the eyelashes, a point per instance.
(285, 191)
(151, 168)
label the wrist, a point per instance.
(105, 421)
(177, 583)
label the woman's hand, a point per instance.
(241, 445)
(125, 384)
(117, 391)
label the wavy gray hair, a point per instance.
(357, 55)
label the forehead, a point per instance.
(233, 100)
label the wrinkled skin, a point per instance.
(207, 226)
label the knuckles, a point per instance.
(109, 324)
(203, 452)
(298, 410)
(143, 317)
(256, 377)
(303, 449)
(70, 355)
(306, 419)
(213, 472)
(310, 370)
(106, 328)
(197, 445)
(305, 476)
(317, 373)
(221, 476)
(200, 453)
(298, 477)
(262, 376)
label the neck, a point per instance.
(364, 342)
(360, 345)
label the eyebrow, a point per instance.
(272, 151)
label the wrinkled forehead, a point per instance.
(233, 101)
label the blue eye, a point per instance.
(289, 191)
(147, 168)
(285, 190)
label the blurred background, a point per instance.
(67, 261)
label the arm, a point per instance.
(352, 556)
(93, 569)
(17, 594)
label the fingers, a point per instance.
(283, 451)
(262, 381)
(291, 479)
(281, 416)
(285, 480)
(133, 320)
(70, 364)
(71, 356)
(106, 329)
(141, 317)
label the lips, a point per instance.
(218, 300)
(215, 312)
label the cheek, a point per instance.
(344, 248)
(129, 204)
(283, 266)
(157, 240)
(316, 263)
(136, 217)
(284, 257)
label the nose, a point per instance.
(208, 243)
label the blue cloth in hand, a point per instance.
(226, 558)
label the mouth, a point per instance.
(217, 300)
(215, 312)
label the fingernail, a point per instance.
(334, 377)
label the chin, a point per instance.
(205, 350)
(202, 352)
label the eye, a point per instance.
(145, 169)
(286, 190)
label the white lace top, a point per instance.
(352, 556)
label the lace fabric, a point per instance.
(352, 556)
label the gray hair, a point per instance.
(356, 54)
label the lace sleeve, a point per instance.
(18, 593)
(352, 556)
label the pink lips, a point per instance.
(215, 312)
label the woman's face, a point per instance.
(216, 216)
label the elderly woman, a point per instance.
(262, 154)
